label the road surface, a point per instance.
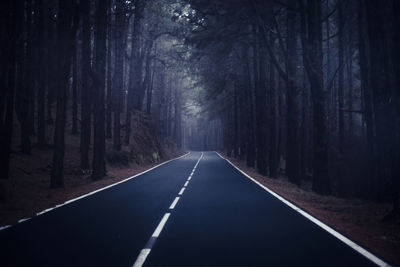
(194, 211)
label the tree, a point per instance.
(261, 111)
(43, 56)
(273, 140)
(8, 54)
(135, 69)
(118, 71)
(86, 92)
(341, 74)
(66, 30)
(313, 54)
(109, 95)
(384, 84)
(75, 82)
(24, 86)
(99, 146)
(293, 117)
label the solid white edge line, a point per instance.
(142, 257)
(327, 228)
(96, 191)
(161, 225)
(44, 211)
(174, 203)
(23, 220)
(181, 192)
(186, 184)
(5, 227)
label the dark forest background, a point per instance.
(86, 68)
(308, 89)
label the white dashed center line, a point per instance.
(142, 257)
(161, 225)
(181, 192)
(147, 248)
(174, 203)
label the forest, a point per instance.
(308, 90)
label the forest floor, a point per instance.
(27, 190)
(360, 220)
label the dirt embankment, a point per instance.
(359, 220)
(27, 191)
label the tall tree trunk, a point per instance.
(177, 124)
(32, 71)
(331, 108)
(64, 44)
(369, 113)
(149, 94)
(273, 140)
(235, 120)
(281, 127)
(52, 53)
(24, 78)
(293, 119)
(168, 107)
(341, 74)
(109, 95)
(86, 94)
(380, 93)
(118, 72)
(350, 83)
(396, 158)
(250, 135)
(135, 70)
(260, 101)
(381, 30)
(10, 16)
(312, 45)
(74, 129)
(99, 145)
(4, 31)
(147, 73)
(43, 56)
(304, 127)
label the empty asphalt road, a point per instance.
(197, 210)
